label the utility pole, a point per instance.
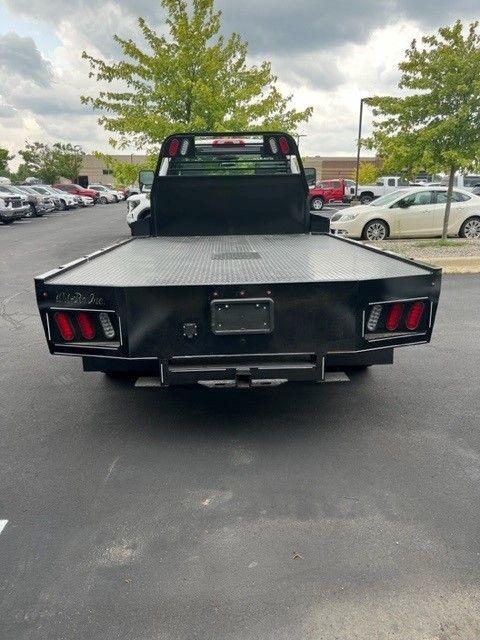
(359, 146)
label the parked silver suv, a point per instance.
(12, 206)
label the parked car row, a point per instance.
(34, 200)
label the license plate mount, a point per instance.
(238, 317)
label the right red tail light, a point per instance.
(414, 315)
(386, 319)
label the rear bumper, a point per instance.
(245, 370)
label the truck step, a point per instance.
(153, 381)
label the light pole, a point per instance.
(359, 146)
(298, 136)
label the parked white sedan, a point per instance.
(411, 213)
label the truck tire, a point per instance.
(317, 203)
(470, 228)
(31, 213)
(366, 198)
(375, 230)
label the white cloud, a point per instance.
(327, 56)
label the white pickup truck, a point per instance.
(368, 192)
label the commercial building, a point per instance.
(336, 167)
(96, 170)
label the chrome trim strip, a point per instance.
(120, 328)
(94, 355)
(405, 344)
(82, 346)
(49, 334)
(78, 309)
(396, 337)
(398, 300)
(237, 355)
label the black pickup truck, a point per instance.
(235, 283)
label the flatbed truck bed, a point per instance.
(224, 260)
(233, 286)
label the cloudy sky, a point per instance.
(327, 54)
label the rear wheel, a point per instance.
(470, 228)
(375, 230)
(317, 203)
(102, 200)
(32, 212)
(366, 198)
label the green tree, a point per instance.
(68, 160)
(436, 126)
(38, 159)
(4, 160)
(367, 173)
(194, 79)
(126, 173)
(50, 163)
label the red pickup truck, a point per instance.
(326, 191)
(77, 190)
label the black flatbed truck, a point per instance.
(236, 284)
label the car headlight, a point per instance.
(344, 217)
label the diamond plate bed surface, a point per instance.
(216, 260)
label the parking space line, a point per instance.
(3, 524)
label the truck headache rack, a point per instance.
(229, 183)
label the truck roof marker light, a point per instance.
(184, 147)
(394, 316)
(173, 147)
(284, 146)
(374, 317)
(87, 327)
(272, 143)
(65, 326)
(107, 326)
(414, 315)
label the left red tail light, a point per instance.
(86, 324)
(65, 326)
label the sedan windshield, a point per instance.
(387, 199)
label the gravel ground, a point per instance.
(457, 256)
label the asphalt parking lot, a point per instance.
(343, 511)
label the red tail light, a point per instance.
(230, 142)
(284, 146)
(173, 147)
(64, 325)
(414, 315)
(394, 316)
(86, 325)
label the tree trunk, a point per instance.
(446, 217)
